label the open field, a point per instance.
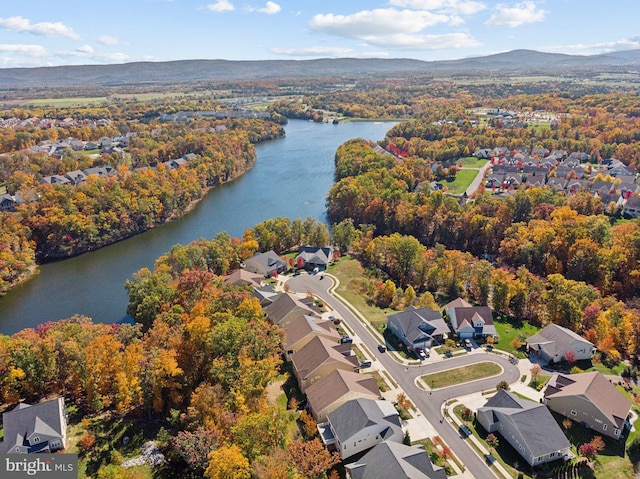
(464, 374)
(508, 329)
(473, 162)
(68, 102)
(462, 181)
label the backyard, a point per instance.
(461, 182)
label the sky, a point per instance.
(65, 32)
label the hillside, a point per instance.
(225, 70)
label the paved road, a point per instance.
(471, 189)
(429, 404)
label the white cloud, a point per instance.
(314, 52)
(47, 29)
(221, 6)
(519, 14)
(28, 50)
(108, 40)
(86, 49)
(372, 22)
(462, 7)
(595, 48)
(270, 8)
(423, 42)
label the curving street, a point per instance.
(428, 403)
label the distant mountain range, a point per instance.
(185, 71)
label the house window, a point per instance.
(574, 412)
(36, 439)
(604, 427)
(54, 444)
(552, 454)
(616, 432)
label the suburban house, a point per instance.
(553, 342)
(470, 321)
(266, 294)
(303, 329)
(285, 308)
(35, 428)
(7, 202)
(418, 328)
(528, 426)
(267, 264)
(397, 461)
(311, 257)
(631, 208)
(590, 399)
(338, 387)
(241, 276)
(318, 358)
(359, 425)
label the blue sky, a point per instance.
(63, 32)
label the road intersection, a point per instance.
(429, 403)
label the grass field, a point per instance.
(461, 375)
(509, 328)
(473, 162)
(462, 181)
(350, 272)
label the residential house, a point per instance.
(418, 328)
(470, 321)
(528, 426)
(267, 264)
(311, 257)
(101, 171)
(241, 276)
(557, 183)
(552, 343)
(303, 329)
(55, 180)
(35, 428)
(394, 460)
(76, 145)
(590, 399)
(174, 164)
(266, 294)
(631, 208)
(285, 308)
(535, 181)
(91, 145)
(76, 177)
(7, 202)
(359, 425)
(337, 388)
(318, 358)
(608, 198)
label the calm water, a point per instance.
(291, 178)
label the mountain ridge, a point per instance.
(182, 71)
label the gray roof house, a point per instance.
(553, 342)
(267, 264)
(303, 329)
(632, 207)
(470, 321)
(76, 177)
(359, 425)
(35, 428)
(285, 308)
(418, 328)
(528, 426)
(397, 461)
(310, 257)
(7, 202)
(590, 399)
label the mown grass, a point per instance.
(461, 182)
(472, 162)
(461, 375)
(350, 273)
(508, 328)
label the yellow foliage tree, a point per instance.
(228, 463)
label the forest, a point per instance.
(60, 220)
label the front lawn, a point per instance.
(508, 328)
(461, 375)
(461, 182)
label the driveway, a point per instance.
(429, 403)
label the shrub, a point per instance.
(87, 441)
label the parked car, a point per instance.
(465, 431)
(365, 364)
(467, 343)
(421, 353)
(346, 339)
(382, 348)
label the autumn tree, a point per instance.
(228, 462)
(310, 458)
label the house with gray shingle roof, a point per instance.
(267, 264)
(35, 428)
(338, 387)
(311, 257)
(303, 329)
(361, 424)
(590, 399)
(528, 426)
(285, 308)
(470, 321)
(418, 328)
(631, 208)
(553, 342)
(397, 461)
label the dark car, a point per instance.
(346, 339)
(382, 348)
(465, 431)
(365, 364)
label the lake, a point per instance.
(291, 178)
